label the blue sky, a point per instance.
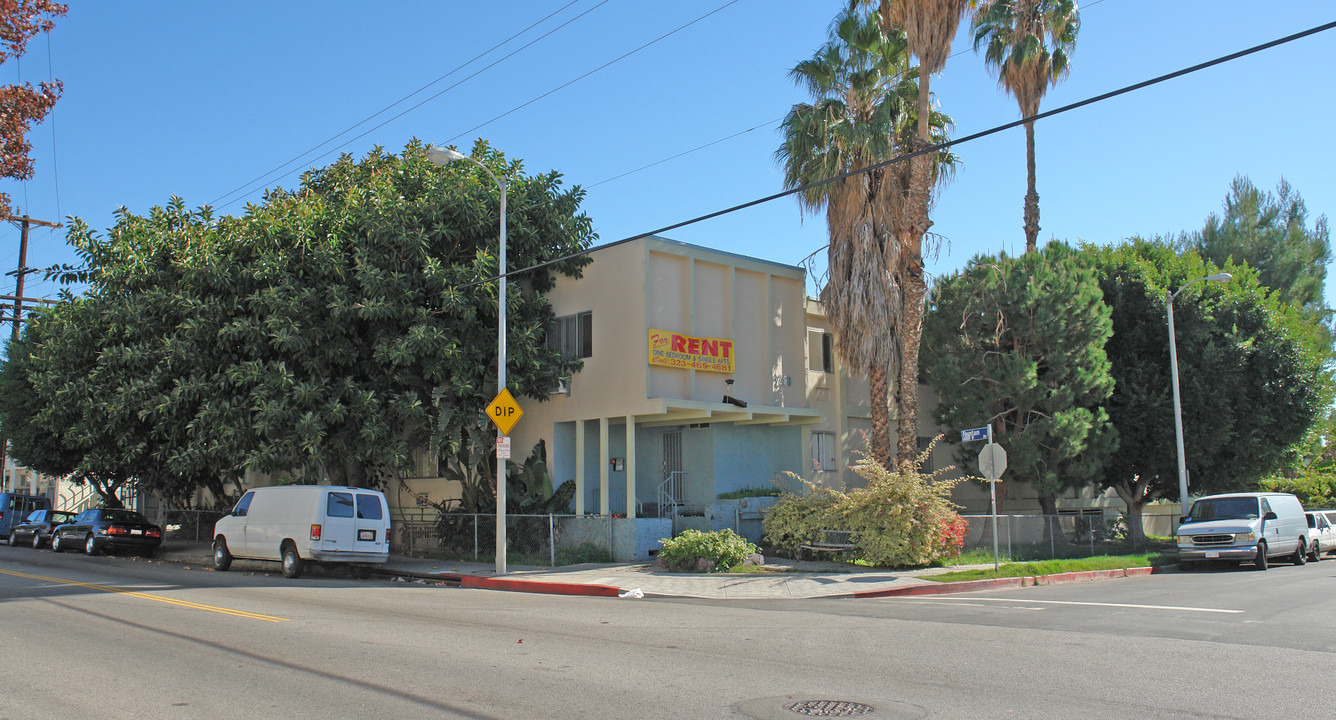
(204, 100)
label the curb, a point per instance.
(1005, 583)
(539, 586)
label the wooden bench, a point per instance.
(841, 541)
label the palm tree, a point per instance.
(929, 27)
(1028, 43)
(862, 114)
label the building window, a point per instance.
(573, 336)
(927, 466)
(823, 451)
(820, 351)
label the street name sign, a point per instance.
(974, 434)
(504, 412)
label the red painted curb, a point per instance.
(1083, 576)
(973, 585)
(944, 588)
(537, 586)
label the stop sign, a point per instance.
(992, 461)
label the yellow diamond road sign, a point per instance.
(504, 411)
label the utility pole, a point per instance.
(23, 222)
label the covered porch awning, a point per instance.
(672, 411)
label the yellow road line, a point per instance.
(146, 596)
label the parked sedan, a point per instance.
(1321, 535)
(102, 529)
(36, 528)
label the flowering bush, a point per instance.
(902, 518)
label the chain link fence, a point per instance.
(549, 540)
(185, 525)
(1048, 537)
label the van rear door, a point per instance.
(371, 523)
(340, 527)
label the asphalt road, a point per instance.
(114, 637)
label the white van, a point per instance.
(1244, 526)
(296, 524)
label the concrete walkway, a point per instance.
(785, 579)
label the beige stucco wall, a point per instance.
(654, 283)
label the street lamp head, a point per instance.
(1220, 277)
(442, 156)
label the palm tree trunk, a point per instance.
(881, 416)
(1031, 195)
(915, 290)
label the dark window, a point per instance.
(927, 466)
(243, 505)
(820, 351)
(368, 507)
(573, 336)
(340, 505)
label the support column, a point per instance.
(580, 482)
(604, 474)
(809, 468)
(630, 466)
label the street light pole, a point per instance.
(1173, 374)
(442, 156)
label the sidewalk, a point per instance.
(788, 579)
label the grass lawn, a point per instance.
(1054, 567)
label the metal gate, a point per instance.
(671, 489)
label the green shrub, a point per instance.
(798, 520)
(1315, 488)
(724, 548)
(902, 518)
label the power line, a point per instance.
(367, 119)
(591, 72)
(927, 150)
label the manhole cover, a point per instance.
(829, 708)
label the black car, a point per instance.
(102, 529)
(36, 528)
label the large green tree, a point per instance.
(333, 330)
(1018, 343)
(1253, 374)
(1029, 44)
(1271, 234)
(863, 113)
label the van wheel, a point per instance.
(1300, 555)
(1315, 552)
(222, 559)
(13, 539)
(1259, 562)
(292, 562)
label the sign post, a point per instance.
(504, 412)
(992, 461)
